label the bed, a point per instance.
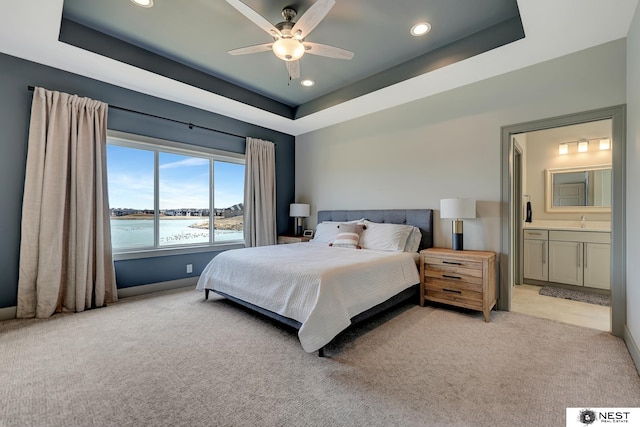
(321, 289)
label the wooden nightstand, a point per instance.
(462, 278)
(292, 239)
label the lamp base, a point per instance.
(457, 242)
(298, 226)
(456, 234)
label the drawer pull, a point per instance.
(453, 291)
(452, 277)
(451, 262)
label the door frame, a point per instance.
(517, 212)
(617, 115)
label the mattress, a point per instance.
(319, 286)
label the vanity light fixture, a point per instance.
(420, 29)
(143, 3)
(605, 144)
(583, 146)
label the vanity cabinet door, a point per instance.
(535, 260)
(565, 262)
(597, 265)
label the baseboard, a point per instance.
(633, 348)
(157, 287)
(8, 313)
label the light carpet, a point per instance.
(173, 359)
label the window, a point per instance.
(164, 194)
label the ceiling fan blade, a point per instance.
(328, 51)
(311, 18)
(252, 49)
(255, 17)
(293, 67)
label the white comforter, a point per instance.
(319, 286)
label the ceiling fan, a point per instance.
(289, 37)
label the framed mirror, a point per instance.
(578, 189)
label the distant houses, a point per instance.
(124, 212)
(235, 210)
(185, 212)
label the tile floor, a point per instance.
(526, 300)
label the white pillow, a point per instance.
(385, 237)
(355, 221)
(413, 241)
(326, 232)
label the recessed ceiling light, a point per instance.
(143, 3)
(307, 83)
(420, 29)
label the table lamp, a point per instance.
(298, 211)
(457, 209)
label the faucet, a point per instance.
(582, 221)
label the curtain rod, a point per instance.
(191, 125)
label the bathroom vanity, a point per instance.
(569, 253)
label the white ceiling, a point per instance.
(553, 28)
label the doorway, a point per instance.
(510, 268)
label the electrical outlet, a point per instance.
(189, 268)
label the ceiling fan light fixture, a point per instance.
(288, 49)
(420, 29)
(143, 3)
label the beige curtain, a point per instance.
(66, 262)
(260, 193)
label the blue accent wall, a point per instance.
(15, 105)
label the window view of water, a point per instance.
(138, 233)
(177, 184)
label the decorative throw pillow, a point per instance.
(348, 236)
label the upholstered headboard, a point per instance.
(421, 218)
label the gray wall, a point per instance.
(448, 145)
(633, 187)
(15, 103)
(542, 154)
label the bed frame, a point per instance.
(421, 218)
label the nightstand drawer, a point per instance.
(454, 274)
(448, 294)
(453, 263)
(453, 283)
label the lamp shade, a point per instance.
(299, 210)
(457, 208)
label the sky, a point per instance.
(184, 180)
